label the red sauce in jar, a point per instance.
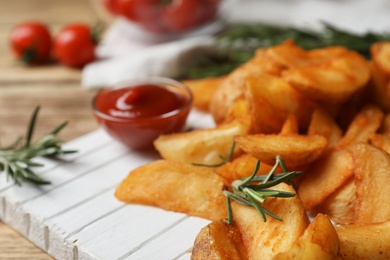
(137, 115)
(139, 102)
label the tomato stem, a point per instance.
(29, 55)
(96, 31)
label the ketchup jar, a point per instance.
(165, 16)
(136, 112)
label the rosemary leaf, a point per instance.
(30, 129)
(254, 190)
(16, 160)
(237, 43)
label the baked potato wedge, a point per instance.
(296, 150)
(333, 81)
(219, 241)
(340, 205)
(202, 146)
(264, 240)
(323, 123)
(363, 126)
(320, 241)
(381, 141)
(372, 179)
(325, 176)
(203, 90)
(370, 241)
(273, 100)
(242, 167)
(193, 190)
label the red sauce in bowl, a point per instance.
(138, 113)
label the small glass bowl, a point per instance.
(139, 133)
(182, 17)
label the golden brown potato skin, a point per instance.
(203, 90)
(320, 241)
(219, 241)
(334, 81)
(340, 205)
(265, 94)
(370, 241)
(372, 179)
(366, 123)
(194, 190)
(325, 176)
(266, 239)
(296, 150)
(323, 123)
(201, 146)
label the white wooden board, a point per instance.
(77, 215)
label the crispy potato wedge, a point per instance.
(340, 205)
(273, 100)
(378, 89)
(242, 167)
(320, 241)
(364, 125)
(325, 54)
(265, 63)
(385, 127)
(231, 89)
(322, 123)
(202, 146)
(290, 126)
(325, 177)
(160, 184)
(203, 90)
(290, 55)
(239, 109)
(372, 179)
(380, 53)
(332, 82)
(381, 141)
(233, 86)
(371, 241)
(296, 150)
(219, 241)
(264, 240)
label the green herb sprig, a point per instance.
(237, 43)
(16, 160)
(254, 190)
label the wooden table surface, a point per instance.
(54, 87)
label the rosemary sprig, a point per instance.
(16, 160)
(254, 190)
(236, 44)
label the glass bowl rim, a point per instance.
(160, 81)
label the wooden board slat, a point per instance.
(77, 215)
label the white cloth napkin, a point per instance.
(127, 52)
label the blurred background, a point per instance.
(58, 89)
(54, 87)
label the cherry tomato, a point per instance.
(31, 42)
(75, 45)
